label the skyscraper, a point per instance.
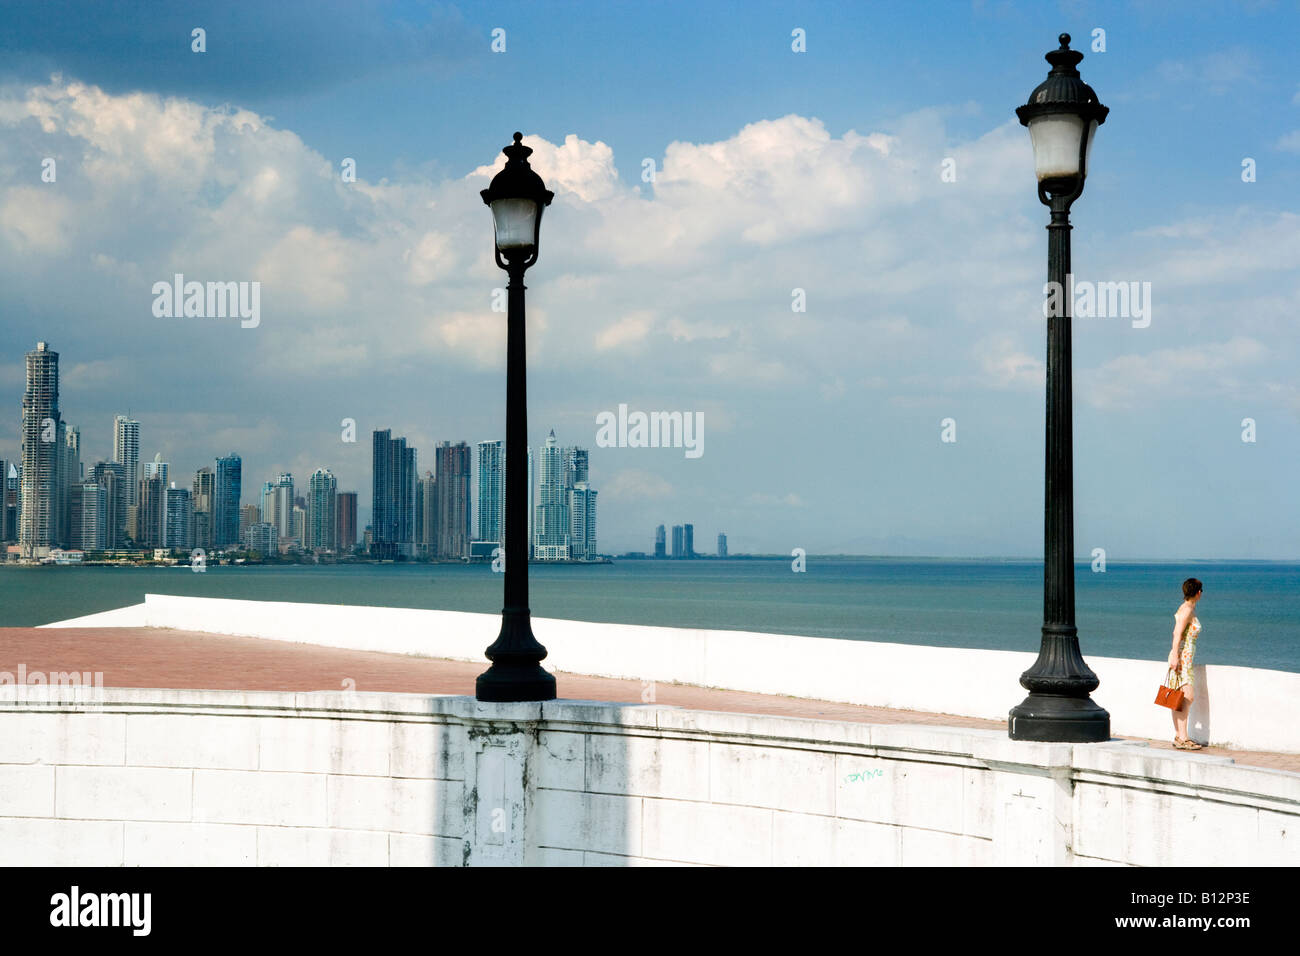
(248, 516)
(426, 515)
(346, 520)
(453, 499)
(179, 519)
(661, 547)
(678, 539)
(279, 508)
(8, 523)
(157, 467)
(225, 504)
(265, 504)
(393, 478)
(722, 545)
(298, 521)
(112, 476)
(69, 475)
(151, 513)
(689, 542)
(582, 522)
(575, 466)
(202, 493)
(491, 491)
(42, 454)
(126, 452)
(551, 526)
(321, 507)
(88, 516)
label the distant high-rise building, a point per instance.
(279, 510)
(426, 515)
(322, 505)
(689, 542)
(89, 516)
(248, 516)
(298, 524)
(8, 512)
(112, 476)
(225, 504)
(551, 525)
(126, 452)
(157, 467)
(151, 513)
(575, 466)
(491, 491)
(582, 522)
(179, 519)
(393, 477)
(42, 454)
(266, 502)
(263, 538)
(679, 538)
(202, 494)
(722, 545)
(661, 547)
(453, 474)
(69, 475)
(346, 521)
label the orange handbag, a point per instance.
(1167, 696)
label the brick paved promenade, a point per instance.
(149, 657)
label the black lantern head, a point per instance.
(1062, 114)
(517, 197)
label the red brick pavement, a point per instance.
(154, 657)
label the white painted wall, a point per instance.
(1238, 707)
(161, 777)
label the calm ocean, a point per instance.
(1250, 611)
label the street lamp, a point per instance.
(517, 197)
(1062, 114)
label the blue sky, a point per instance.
(777, 170)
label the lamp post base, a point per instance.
(502, 683)
(1051, 718)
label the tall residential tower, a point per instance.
(41, 443)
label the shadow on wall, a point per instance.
(1198, 717)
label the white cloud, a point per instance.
(632, 485)
(1202, 368)
(1006, 365)
(627, 330)
(584, 170)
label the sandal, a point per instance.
(1181, 744)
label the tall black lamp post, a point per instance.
(517, 197)
(1062, 114)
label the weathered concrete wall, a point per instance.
(1237, 707)
(149, 777)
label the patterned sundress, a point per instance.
(1184, 673)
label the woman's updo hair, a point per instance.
(1191, 588)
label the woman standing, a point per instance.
(1187, 627)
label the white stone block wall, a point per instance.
(180, 777)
